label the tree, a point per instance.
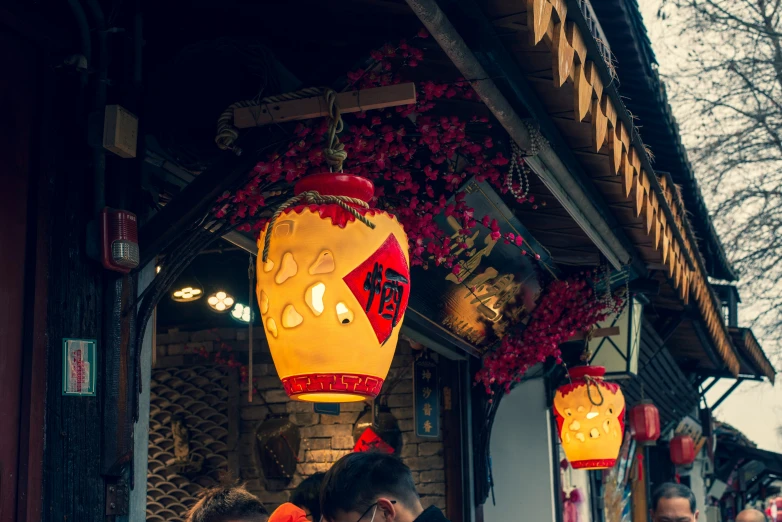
(727, 89)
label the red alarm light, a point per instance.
(119, 238)
(682, 450)
(644, 420)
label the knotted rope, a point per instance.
(312, 197)
(334, 152)
(592, 381)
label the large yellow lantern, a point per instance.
(590, 418)
(333, 291)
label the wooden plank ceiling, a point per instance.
(551, 51)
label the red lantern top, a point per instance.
(336, 184)
(332, 184)
(644, 421)
(682, 450)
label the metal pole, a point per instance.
(251, 278)
(727, 394)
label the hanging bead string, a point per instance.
(537, 141)
(593, 382)
(517, 165)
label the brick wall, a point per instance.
(325, 438)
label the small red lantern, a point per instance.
(644, 419)
(682, 450)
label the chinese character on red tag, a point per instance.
(382, 286)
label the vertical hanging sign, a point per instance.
(79, 367)
(426, 396)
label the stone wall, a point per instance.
(325, 438)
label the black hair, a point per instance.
(224, 503)
(307, 495)
(358, 479)
(670, 490)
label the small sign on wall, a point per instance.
(326, 408)
(79, 367)
(426, 396)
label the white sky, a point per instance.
(755, 409)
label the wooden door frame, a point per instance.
(29, 469)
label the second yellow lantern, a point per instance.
(590, 417)
(333, 293)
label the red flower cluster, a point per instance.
(565, 308)
(417, 160)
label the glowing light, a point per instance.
(241, 313)
(186, 294)
(333, 294)
(585, 407)
(220, 301)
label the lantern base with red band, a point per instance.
(332, 387)
(593, 464)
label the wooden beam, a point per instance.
(316, 107)
(600, 332)
(197, 197)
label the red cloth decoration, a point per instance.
(370, 441)
(288, 513)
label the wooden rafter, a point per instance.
(671, 244)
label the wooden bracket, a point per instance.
(600, 332)
(316, 107)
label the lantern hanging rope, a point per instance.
(312, 197)
(592, 383)
(335, 155)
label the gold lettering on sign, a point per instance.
(474, 256)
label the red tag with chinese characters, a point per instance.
(370, 441)
(382, 286)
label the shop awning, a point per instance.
(746, 468)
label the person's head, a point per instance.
(227, 504)
(369, 487)
(751, 515)
(673, 503)
(307, 496)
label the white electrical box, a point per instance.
(120, 131)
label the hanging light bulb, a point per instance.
(241, 313)
(187, 294)
(220, 301)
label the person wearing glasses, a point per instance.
(372, 487)
(673, 503)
